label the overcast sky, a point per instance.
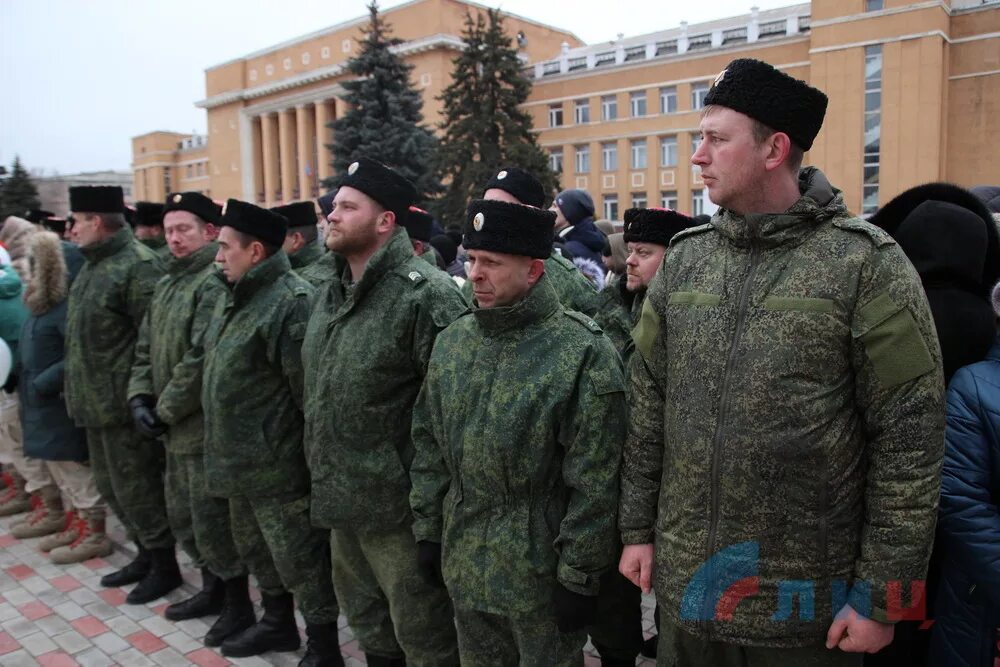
(79, 78)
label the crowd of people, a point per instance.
(482, 442)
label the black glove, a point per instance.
(10, 386)
(144, 415)
(573, 611)
(429, 563)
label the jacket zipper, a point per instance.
(713, 525)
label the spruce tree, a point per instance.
(17, 192)
(384, 117)
(484, 127)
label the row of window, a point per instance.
(668, 199)
(196, 170)
(324, 53)
(638, 155)
(638, 105)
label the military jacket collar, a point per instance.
(539, 303)
(385, 259)
(305, 255)
(194, 262)
(260, 276)
(108, 247)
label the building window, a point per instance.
(287, 63)
(698, 92)
(772, 29)
(873, 5)
(269, 70)
(611, 207)
(555, 115)
(345, 46)
(581, 112)
(639, 200)
(609, 107)
(668, 151)
(668, 99)
(324, 52)
(668, 199)
(666, 48)
(556, 160)
(873, 129)
(638, 153)
(637, 100)
(635, 53)
(609, 156)
(253, 75)
(606, 58)
(698, 42)
(582, 159)
(697, 203)
(305, 58)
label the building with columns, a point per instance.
(914, 93)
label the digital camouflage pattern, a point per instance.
(107, 302)
(158, 244)
(572, 288)
(618, 315)
(170, 352)
(313, 264)
(518, 432)
(489, 640)
(253, 378)
(786, 396)
(365, 357)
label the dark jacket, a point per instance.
(967, 609)
(49, 433)
(584, 239)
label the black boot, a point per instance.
(275, 631)
(382, 661)
(203, 603)
(163, 577)
(322, 646)
(237, 612)
(131, 573)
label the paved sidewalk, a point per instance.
(60, 616)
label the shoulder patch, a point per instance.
(878, 236)
(415, 276)
(592, 326)
(691, 231)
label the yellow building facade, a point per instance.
(914, 93)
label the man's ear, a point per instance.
(535, 271)
(779, 146)
(385, 222)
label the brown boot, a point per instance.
(91, 540)
(64, 537)
(46, 519)
(15, 499)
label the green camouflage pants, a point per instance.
(677, 648)
(390, 608)
(128, 470)
(617, 633)
(491, 640)
(200, 522)
(284, 552)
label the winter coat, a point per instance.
(518, 433)
(584, 239)
(618, 315)
(313, 264)
(158, 244)
(365, 356)
(106, 305)
(48, 431)
(252, 384)
(787, 412)
(12, 310)
(967, 612)
(170, 351)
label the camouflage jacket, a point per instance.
(313, 264)
(107, 302)
(170, 352)
(786, 423)
(365, 357)
(617, 317)
(518, 433)
(158, 244)
(253, 384)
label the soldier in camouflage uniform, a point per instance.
(253, 436)
(308, 257)
(165, 396)
(787, 417)
(515, 490)
(106, 305)
(367, 345)
(148, 228)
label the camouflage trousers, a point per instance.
(128, 470)
(677, 648)
(617, 633)
(200, 522)
(391, 610)
(492, 640)
(285, 553)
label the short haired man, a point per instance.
(253, 437)
(107, 303)
(787, 414)
(147, 226)
(517, 186)
(308, 258)
(367, 345)
(165, 396)
(514, 490)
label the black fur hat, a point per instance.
(148, 214)
(37, 215)
(298, 214)
(196, 203)
(96, 199)
(499, 226)
(654, 225)
(781, 102)
(419, 224)
(386, 186)
(260, 223)
(521, 184)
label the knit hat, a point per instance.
(96, 199)
(783, 103)
(521, 184)
(260, 223)
(499, 226)
(654, 225)
(419, 224)
(990, 195)
(326, 203)
(195, 203)
(298, 214)
(148, 214)
(386, 186)
(575, 204)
